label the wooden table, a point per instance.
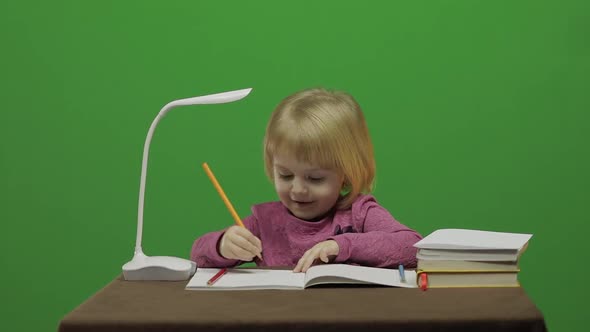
(167, 306)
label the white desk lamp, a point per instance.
(143, 267)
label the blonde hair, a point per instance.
(324, 128)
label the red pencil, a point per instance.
(216, 276)
(423, 281)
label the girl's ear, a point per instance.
(345, 189)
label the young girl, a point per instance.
(319, 156)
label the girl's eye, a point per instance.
(285, 176)
(316, 180)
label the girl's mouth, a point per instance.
(302, 204)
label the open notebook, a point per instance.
(243, 279)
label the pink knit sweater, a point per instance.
(366, 233)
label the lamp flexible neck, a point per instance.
(144, 163)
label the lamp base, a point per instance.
(164, 268)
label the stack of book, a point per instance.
(470, 258)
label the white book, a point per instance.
(250, 279)
(467, 244)
(432, 265)
(472, 279)
(467, 239)
(467, 255)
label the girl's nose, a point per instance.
(298, 187)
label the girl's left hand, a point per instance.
(324, 250)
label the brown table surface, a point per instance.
(167, 306)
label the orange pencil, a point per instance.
(224, 198)
(222, 194)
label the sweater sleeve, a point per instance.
(205, 249)
(380, 240)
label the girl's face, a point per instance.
(307, 191)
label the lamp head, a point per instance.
(218, 98)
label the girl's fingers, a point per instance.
(246, 245)
(240, 253)
(301, 262)
(246, 234)
(324, 256)
(319, 251)
(311, 257)
(298, 266)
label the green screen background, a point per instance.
(478, 111)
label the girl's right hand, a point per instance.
(239, 243)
